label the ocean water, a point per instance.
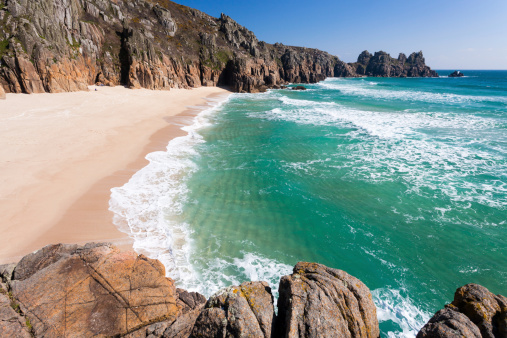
(400, 182)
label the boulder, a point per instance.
(93, 290)
(474, 312)
(238, 311)
(2, 93)
(317, 301)
(299, 88)
(456, 73)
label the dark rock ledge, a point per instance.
(97, 290)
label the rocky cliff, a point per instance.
(97, 290)
(66, 45)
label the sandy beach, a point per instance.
(60, 154)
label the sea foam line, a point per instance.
(148, 206)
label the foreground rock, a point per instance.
(317, 301)
(475, 312)
(456, 73)
(95, 290)
(238, 311)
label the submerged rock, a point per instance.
(299, 88)
(474, 312)
(317, 301)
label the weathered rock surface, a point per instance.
(456, 73)
(95, 290)
(317, 301)
(382, 64)
(475, 312)
(12, 324)
(2, 93)
(238, 311)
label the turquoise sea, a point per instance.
(400, 182)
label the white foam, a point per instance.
(392, 306)
(226, 271)
(397, 145)
(147, 207)
(359, 89)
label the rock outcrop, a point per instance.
(65, 45)
(2, 93)
(317, 301)
(456, 73)
(238, 311)
(475, 312)
(382, 64)
(95, 290)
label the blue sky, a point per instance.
(453, 34)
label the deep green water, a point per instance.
(400, 182)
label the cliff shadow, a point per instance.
(124, 56)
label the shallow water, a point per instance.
(400, 182)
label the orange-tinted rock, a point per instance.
(2, 93)
(317, 301)
(94, 290)
(474, 312)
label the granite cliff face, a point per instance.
(98, 291)
(66, 45)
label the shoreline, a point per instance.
(62, 195)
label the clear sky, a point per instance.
(453, 34)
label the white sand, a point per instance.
(60, 154)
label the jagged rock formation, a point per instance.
(456, 73)
(475, 312)
(96, 290)
(238, 311)
(317, 301)
(382, 64)
(66, 45)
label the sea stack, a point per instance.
(456, 73)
